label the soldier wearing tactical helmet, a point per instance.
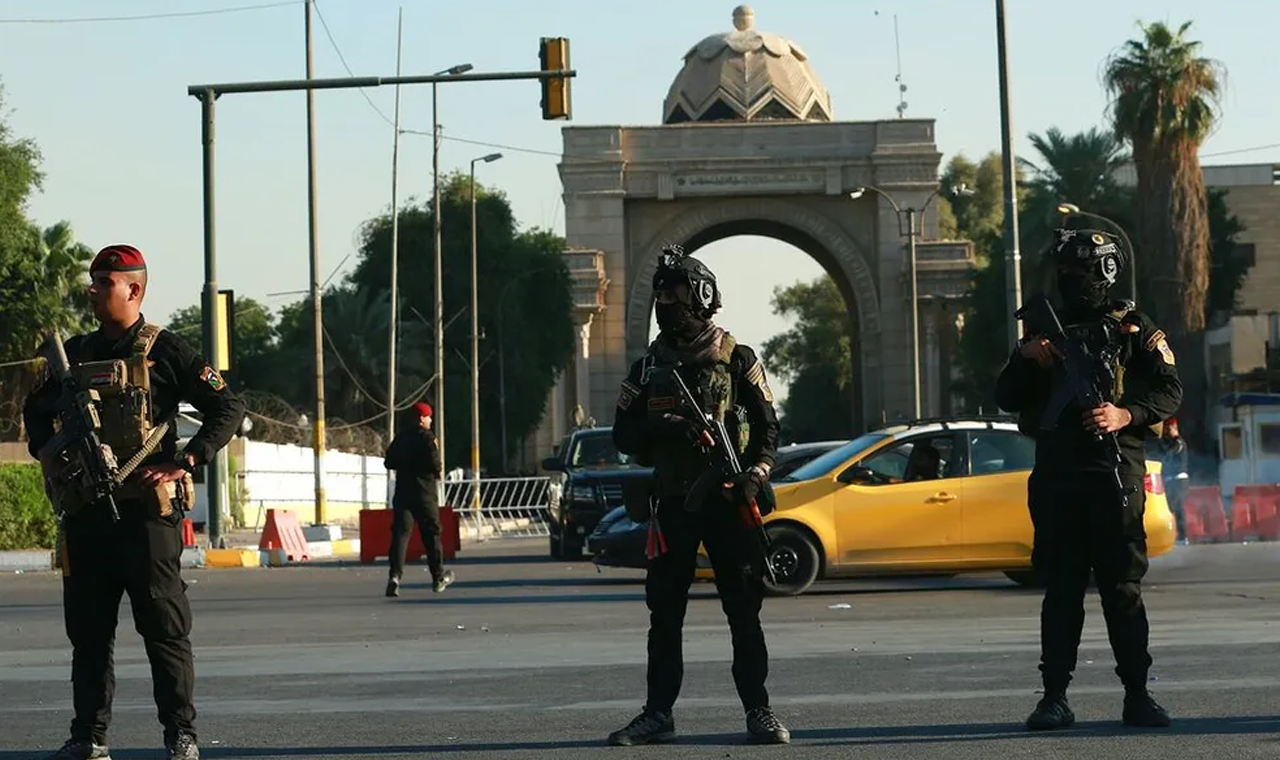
(140, 373)
(1079, 523)
(653, 424)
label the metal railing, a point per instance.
(509, 507)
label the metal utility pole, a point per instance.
(1012, 257)
(437, 225)
(213, 337)
(475, 347)
(208, 93)
(317, 314)
(915, 307)
(395, 258)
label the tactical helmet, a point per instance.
(1097, 252)
(675, 267)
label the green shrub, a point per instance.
(26, 518)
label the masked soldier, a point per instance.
(1082, 523)
(139, 373)
(655, 425)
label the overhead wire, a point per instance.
(150, 16)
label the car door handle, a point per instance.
(943, 496)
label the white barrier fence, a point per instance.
(509, 507)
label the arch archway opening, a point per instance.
(814, 368)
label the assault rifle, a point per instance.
(1079, 376)
(726, 468)
(89, 463)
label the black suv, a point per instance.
(588, 473)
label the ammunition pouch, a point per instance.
(177, 496)
(637, 499)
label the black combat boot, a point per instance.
(80, 749)
(1052, 713)
(1142, 711)
(649, 727)
(182, 747)
(393, 587)
(441, 583)
(765, 728)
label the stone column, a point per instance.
(931, 361)
(581, 363)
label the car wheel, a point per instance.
(1024, 578)
(571, 548)
(794, 559)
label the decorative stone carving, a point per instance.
(746, 75)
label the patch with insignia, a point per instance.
(756, 377)
(662, 402)
(628, 394)
(1159, 342)
(210, 375)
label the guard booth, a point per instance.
(1249, 442)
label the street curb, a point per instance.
(22, 561)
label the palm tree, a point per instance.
(1079, 169)
(1164, 104)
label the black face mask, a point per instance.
(1080, 292)
(677, 319)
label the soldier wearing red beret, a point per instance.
(414, 455)
(141, 373)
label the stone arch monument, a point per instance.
(749, 145)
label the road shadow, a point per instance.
(855, 735)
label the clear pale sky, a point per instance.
(121, 139)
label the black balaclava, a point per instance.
(689, 316)
(1088, 263)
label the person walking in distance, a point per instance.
(414, 455)
(140, 373)
(654, 424)
(1083, 520)
(1173, 456)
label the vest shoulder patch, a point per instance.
(755, 375)
(210, 375)
(627, 395)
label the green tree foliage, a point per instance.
(26, 519)
(1165, 105)
(815, 357)
(526, 309)
(253, 344)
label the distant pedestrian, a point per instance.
(414, 455)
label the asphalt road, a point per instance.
(528, 658)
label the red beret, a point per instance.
(423, 409)
(118, 258)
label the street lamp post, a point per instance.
(911, 256)
(461, 68)
(475, 349)
(1071, 209)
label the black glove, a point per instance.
(673, 427)
(747, 485)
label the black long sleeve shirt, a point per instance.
(415, 457)
(1152, 394)
(178, 373)
(632, 432)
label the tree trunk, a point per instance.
(1173, 260)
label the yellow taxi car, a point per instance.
(926, 498)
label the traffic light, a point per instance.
(553, 52)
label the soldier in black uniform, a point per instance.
(414, 454)
(141, 553)
(1080, 523)
(653, 425)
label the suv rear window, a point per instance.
(596, 450)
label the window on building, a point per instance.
(1232, 443)
(1269, 438)
(1245, 254)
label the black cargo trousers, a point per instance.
(140, 555)
(427, 516)
(1081, 527)
(737, 559)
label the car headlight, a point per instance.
(582, 493)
